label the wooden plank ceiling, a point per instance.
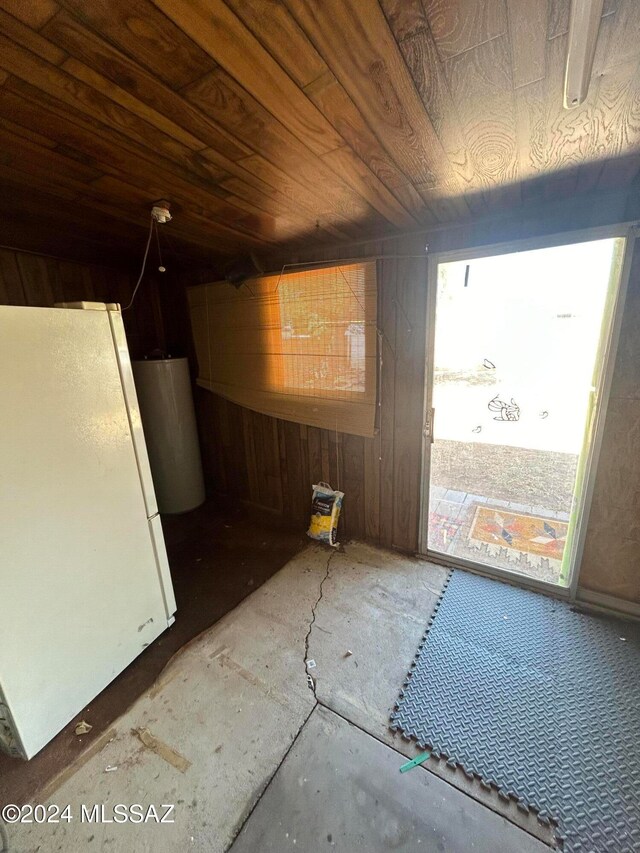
(270, 122)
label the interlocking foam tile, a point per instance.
(538, 700)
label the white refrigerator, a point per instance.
(84, 578)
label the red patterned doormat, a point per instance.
(531, 534)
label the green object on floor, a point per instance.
(415, 761)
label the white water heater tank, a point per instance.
(164, 393)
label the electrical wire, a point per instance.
(161, 268)
(144, 263)
(171, 246)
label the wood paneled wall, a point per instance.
(611, 563)
(272, 464)
(39, 280)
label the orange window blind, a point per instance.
(299, 346)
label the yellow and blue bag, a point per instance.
(325, 514)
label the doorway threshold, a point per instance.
(514, 578)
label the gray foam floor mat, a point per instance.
(539, 701)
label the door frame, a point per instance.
(627, 231)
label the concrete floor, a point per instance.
(217, 730)
(305, 807)
(218, 557)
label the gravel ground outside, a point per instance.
(538, 477)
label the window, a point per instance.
(299, 346)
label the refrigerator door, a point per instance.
(162, 564)
(82, 592)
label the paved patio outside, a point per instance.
(486, 526)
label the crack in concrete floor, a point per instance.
(311, 683)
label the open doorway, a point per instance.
(519, 349)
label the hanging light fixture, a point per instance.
(583, 34)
